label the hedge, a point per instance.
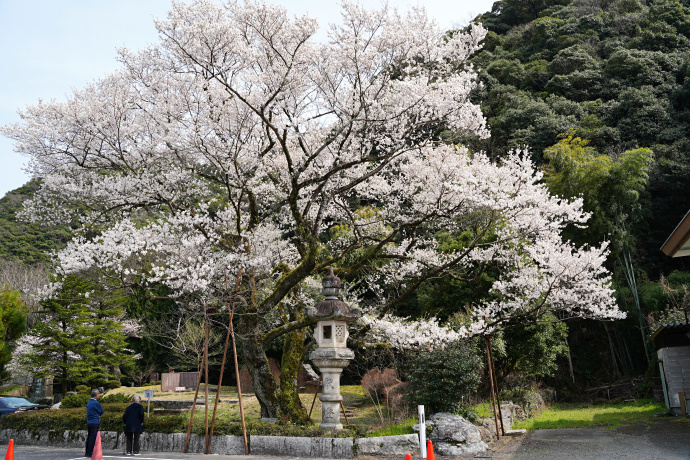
(111, 420)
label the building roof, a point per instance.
(673, 327)
(678, 244)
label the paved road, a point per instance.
(664, 439)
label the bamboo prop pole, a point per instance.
(491, 379)
(316, 393)
(208, 332)
(191, 417)
(498, 397)
(225, 355)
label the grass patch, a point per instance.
(404, 427)
(579, 415)
(484, 409)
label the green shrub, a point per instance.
(112, 384)
(116, 398)
(439, 378)
(74, 401)
(82, 389)
(75, 419)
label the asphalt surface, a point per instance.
(662, 439)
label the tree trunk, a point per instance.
(257, 363)
(288, 399)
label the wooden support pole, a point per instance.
(498, 397)
(239, 387)
(491, 379)
(208, 332)
(225, 354)
(316, 393)
(191, 417)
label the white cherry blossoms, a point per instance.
(238, 142)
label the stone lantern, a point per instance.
(332, 355)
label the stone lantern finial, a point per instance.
(331, 286)
(332, 307)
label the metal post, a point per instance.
(148, 394)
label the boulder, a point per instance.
(487, 426)
(453, 435)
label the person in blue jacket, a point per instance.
(93, 421)
(133, 419)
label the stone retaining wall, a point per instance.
(230, 445)
(285, 446)
(151, 442)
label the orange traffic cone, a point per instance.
(430, 451)
(97, 449)
(10, 451)
(408, 457)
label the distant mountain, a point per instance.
(29, 243)
(615, 71)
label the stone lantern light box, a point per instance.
(332, 354)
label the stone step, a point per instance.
(515, 432)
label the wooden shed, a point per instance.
(672, 342)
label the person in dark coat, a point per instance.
(133, 419)
(94, 410)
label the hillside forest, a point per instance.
(596, 93)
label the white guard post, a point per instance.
(422, 431)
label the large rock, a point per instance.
(452, 435)
(511, 412)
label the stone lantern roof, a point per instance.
(332, 307)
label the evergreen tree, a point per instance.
(79, 338)
(12, 325)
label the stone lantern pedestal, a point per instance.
(332, 355)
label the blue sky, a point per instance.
(49, 47)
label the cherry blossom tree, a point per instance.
(238, 143)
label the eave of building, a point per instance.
(678, 244)
(673, 327)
